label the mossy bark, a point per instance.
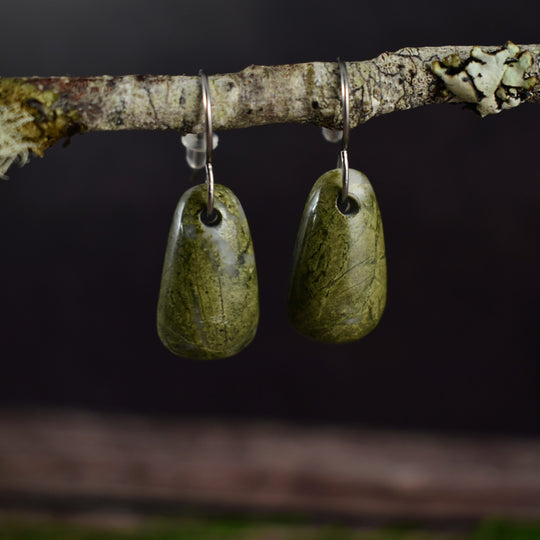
(258, 95)
(50, 120)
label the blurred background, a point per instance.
(83, 231)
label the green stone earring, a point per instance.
(208, 303)
(338, 287)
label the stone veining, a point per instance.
(338, 286)
(208, 303)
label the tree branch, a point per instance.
(35, 112)
(62, 459)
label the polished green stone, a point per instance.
(208, 302)
(338, 286)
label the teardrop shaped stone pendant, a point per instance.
(208, 302)
(338, 286)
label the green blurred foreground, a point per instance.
(219, 529)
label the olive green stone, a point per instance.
(338, 286)
(208, 302)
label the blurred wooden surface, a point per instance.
(77, 456)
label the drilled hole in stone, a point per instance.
(210, 220)
(348, 207)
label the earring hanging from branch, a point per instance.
(338, 284)
(208, 303)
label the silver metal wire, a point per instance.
(343, 160)
(345, 99)
(343, 164)
(205, 90)
(210, 189)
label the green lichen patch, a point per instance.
(31, 121)
(492, 81)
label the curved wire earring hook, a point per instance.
(205, 90)
(343, 161)
(345, 99)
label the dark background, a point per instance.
(83, 231)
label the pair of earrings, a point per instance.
(208, 302)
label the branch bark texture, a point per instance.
(73, 457)
(55, 107)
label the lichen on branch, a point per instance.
(492, 82)
(30, 121)
(35, 112)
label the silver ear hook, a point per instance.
(205, 89)
(335, 135)
(343, 160)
